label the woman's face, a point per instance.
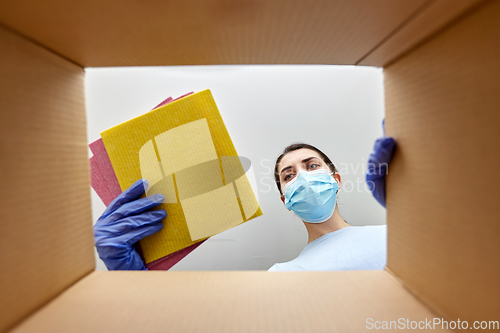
(301, 159)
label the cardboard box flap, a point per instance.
(201, 32)
(46, 229)
(228, 302)
(442, 188)
(431, 17)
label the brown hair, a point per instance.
(295, 146)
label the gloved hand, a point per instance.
(378, 163)
(124, 222)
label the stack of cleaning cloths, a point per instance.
(183, 150)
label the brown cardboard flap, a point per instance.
(227, 302)
(429, 19)
(46, 229)
(201, 32)
(442, 106)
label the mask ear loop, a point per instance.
(331, 173)
(337, 184)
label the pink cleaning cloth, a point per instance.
(165, 263)
(189, 93)
(170, 99)
(102, 159)
(99, 183)
(165, 102)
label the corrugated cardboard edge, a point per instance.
(427, 21)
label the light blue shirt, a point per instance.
(349, 248)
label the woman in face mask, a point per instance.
(309, 184)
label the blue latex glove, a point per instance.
(124, 222)
(378, 163)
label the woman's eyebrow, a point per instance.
(305, 160)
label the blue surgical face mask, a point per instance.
(312, 195)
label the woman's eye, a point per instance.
(286, 177)
(312, 165)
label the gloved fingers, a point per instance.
(134, 262)
(384, 143)
(388, 143)
(127, 224)
(377, 187)
(119, 246)
(382, 150)
(135, 191)
(379, 159)
(123, 259)
(376, 171)
(135, 207)
(135, 235)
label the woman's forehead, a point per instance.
(297, 156)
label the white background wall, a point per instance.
(338, 109)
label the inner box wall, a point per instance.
(442, 188)
(47, 239)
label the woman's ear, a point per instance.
(336, 175)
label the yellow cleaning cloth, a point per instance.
(184, 151)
